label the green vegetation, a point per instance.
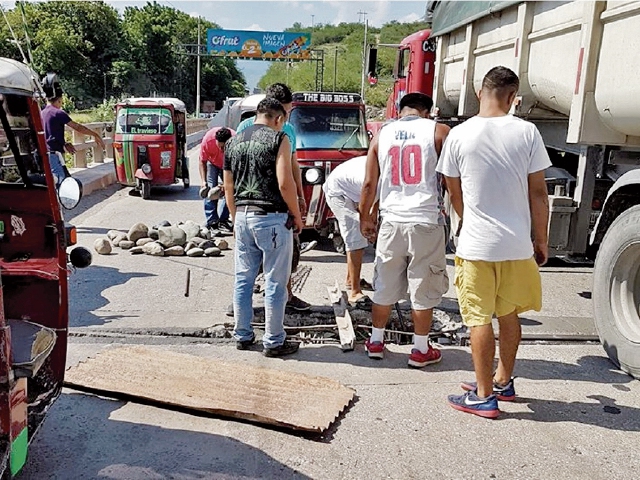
(345, 41)
(100, 56)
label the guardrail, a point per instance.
(86, 147)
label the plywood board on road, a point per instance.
(262, 395)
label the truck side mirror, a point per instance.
(372, 58)
(180, 128)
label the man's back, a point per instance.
(54, 119)
(493, 157)
(407, 157)
(346, 179)
(251, 157)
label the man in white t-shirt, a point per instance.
(342, 192)
(494, 170)
(410, 249)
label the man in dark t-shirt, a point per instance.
(261, 194)
(54, 120)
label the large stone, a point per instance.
(127, 244)
(189, 246)
(102, 246)
(195, 252)
(111, 234)
(205, 233)
(153, 234)
(197, 241)
(141, 242)
(138, 231)
(191, 228)
(176, 251)
(136, 250)
(207, 244)
(154, 249)
(164, 223)
(223, 245)
(171, 236)
(212, 252)
(119, 238)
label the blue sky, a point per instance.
(277, 15)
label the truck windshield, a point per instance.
(19, 158)
(329, 128)
(144, 121)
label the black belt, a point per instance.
(256, 210)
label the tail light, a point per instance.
(71, 235)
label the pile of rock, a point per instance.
(164, 239)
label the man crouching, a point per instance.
(261, 193)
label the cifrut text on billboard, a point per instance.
(259, 45)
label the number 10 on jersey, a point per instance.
(406, 165)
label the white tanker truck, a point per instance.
(579, 69)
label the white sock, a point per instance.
(377, 335)
(421, 342)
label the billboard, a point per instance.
(245, 44)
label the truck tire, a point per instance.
(616, 291)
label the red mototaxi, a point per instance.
(150, 143)
(34, 312)
(330, 129)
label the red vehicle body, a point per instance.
(150, 143)
(413, 71)
(330, 129)
(33, 265)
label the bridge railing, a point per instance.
(87, 150)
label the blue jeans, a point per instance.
(56, 161)
(212, 213)
(261, 239)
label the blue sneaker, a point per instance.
(506, 393)
(470, 403)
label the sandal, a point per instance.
(362, 303)
(364, 285)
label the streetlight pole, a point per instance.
(364, 52)
(198, 75)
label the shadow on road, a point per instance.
(81, 439)
(85, 293)
(602, 412)
(588, 369)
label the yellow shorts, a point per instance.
(500, 288)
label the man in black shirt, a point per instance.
(261, 194)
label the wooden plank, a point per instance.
(238, 390)
(343, 317)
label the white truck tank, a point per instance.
(577, 61)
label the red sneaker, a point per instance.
(417, 359)
(374, 349)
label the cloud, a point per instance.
(412, 17)
(255, 27)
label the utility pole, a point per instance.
(312, 17)
(198, 75)
(335, 68)
(364, 52)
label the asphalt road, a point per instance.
(576, 418)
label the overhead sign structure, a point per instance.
(245, 44)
